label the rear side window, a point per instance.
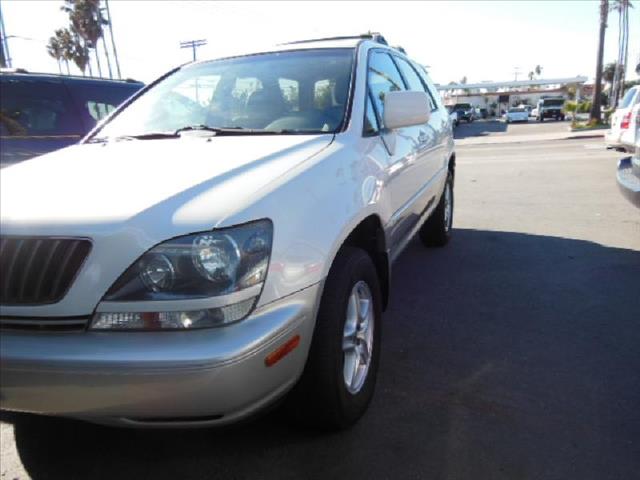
(383, 77)
(97, 101)
(413, 80)
(628, 98)
(36, 108)
(431, 88)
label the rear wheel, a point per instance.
(436, 231)
(340, 375)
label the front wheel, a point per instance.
(340, 375)
(436, 231)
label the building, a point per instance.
(498, 96)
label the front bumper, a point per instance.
(204, 377)
(552, 114)
(628, 177)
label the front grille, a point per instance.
(53, 325)
(39, 270)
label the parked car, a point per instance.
(550, 108)
(625, 122)
(224, 240)
(40, 113)
(484, 113)
(528, 108)
(516, 114)
(465, 112)
(453, 115)
(534, 112)
(628, 176)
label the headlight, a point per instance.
(227, 266)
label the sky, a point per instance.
(480, 40)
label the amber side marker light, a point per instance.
(283, 350)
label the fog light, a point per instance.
(187, 320)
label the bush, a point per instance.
(584, 107)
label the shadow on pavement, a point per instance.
(505, 356)
(479, 128)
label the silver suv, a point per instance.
(224, 240)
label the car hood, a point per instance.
(176, 185)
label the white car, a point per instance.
(624, 133)
(223, 240)
(516, 114)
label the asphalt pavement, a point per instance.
(511, 354)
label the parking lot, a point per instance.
(510, 354)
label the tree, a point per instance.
(54, 49)
(538, 70)
(617, 84)
(594, 115)
(531, 75)
(608, 72)
(62, 47)
(87, 25)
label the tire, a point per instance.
(541, 119)
(322, 399)
(436, 231)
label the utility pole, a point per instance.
(193, 45)
(516, 71)
(5, 58)
(113, 43)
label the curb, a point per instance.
(592, 135)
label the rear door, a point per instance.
(37, 116)
(432, 135)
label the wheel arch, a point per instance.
(369, 235)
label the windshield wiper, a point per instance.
(148, 136)
(219, 131)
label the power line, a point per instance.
(193, 45)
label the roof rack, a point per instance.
(375, 36)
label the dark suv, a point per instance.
(40, 113)
(465, 112)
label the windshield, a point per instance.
(287, 92)
(462, 106)
(516, 110)
(553, 103)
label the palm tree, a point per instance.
(87, 23)
(61, 47)
(538, 70)
(54, 49)
(531, 75)
(622, 7)
(594, 115)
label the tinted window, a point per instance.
(431, 88)
(37, 107)
(370, 120)
(383, 77)
(96, 101)
(413, 80)
(300, 91)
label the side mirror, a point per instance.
(405, 109)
